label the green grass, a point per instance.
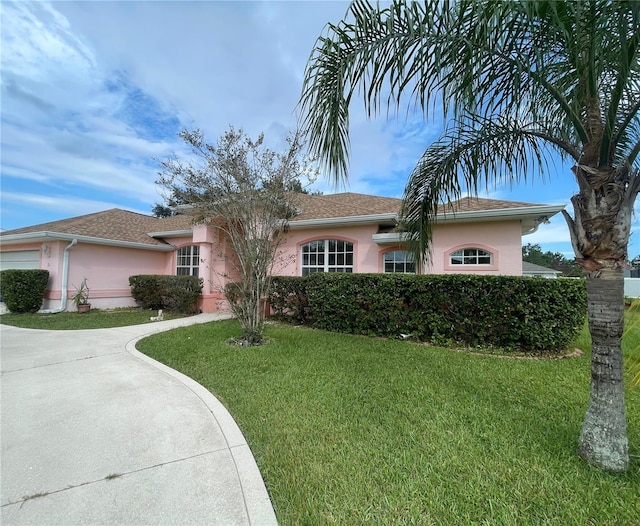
(355, 430)
(631, 343)
(94, 319)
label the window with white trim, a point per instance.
(327, 255)
(471, 256)
(188, 261)
(399, 262)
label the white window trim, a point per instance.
(476, 256)
(191, 266)
(325, 266)
(493, 266)
(405, 261)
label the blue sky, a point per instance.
(94, 91)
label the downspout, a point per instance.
(65, 278)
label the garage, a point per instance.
(23, 259)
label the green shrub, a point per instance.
(181, 293)
(288, 298)
(147, 291)
(173, 293)
(527, 314)
(23, 289)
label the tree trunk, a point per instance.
(603, 441)
(600, 236)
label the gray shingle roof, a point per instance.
(113, 224)
(122, 225)
(351, 204)
(532, 267)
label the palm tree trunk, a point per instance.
(603, 441)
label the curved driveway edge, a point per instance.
(94, 432)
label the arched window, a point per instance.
(327, 255)
(399, 262)
(188, 261)
(471, 256)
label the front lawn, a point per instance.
(355, 430)
(94, 319)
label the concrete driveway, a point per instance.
(93, 432)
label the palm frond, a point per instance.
(480, 57)
(511, 75)
(477, 152)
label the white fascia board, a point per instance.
(171, 233)
(530, 217)
(390, 238)
(14, 239)
(501, 214)
(530, 213)
(340, 221)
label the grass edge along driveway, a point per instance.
(94, 319)
(356, 430)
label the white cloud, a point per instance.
(547, 234)
(92, 91)
(65, 158)
(70, 126)
(39, 46)
(54, 206)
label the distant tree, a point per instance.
(555, 260)
(160, 210)
(296, 186)
(241, 188)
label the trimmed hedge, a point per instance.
(288, 299)
(173, 293)
(513, 313)
(23, 289)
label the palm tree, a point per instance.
(519, 80)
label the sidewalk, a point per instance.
(94, 432)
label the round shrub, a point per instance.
(174, 293)
(23, 289)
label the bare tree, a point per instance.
(241, 188)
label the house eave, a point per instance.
(171, 233)
(530, 217)
(524, 211)
(340, 221)
(389, 238)
(35, 237)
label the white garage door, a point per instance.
(20, 259)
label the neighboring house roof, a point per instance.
(533, 269)
(120, 227)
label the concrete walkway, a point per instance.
(93, 432)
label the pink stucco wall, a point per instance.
(106, 268)
(215, 268)
(364, 249)
(502, 239)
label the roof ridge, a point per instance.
(478, 198)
